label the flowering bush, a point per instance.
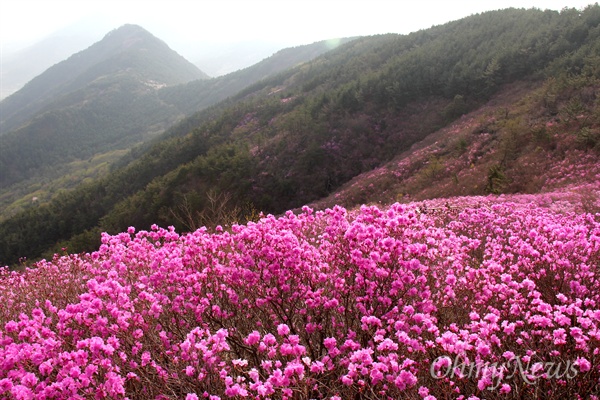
(493, 300)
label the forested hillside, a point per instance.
(101, 102)
(101, 99)
(301, 135)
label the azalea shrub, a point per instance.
(482, 300)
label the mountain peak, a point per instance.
(128, 51)
(127, 31)
(129, 37)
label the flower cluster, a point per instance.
(373, 303)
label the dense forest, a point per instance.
(301, 134)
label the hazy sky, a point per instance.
(292, 22)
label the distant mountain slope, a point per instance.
(303, 134)
(19, 67)
(200, 94)
(55, 150)
(101, 99)
(21, 64)
(121, 51)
